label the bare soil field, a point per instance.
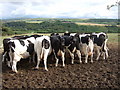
(93, 24)
(99, 74)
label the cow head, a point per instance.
(62, 40)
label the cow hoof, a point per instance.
(97, 59)
(81, 62)
(91, 61)
(36, 68)
(46, 69)
(86, 62)
(56, 65)
(63, 65)
(15, 71)
(72, 62)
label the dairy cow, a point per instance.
(100, 43)
(20, 49)
(6, 49)
(86, 46)
(6, 40)
(5, 45)
(72, 45)
(57, 43)
(42, 48)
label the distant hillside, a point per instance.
(53, 25)
(39, 20)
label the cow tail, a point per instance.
(42, 52)
(45, 45)
(104, 47)
(11, 47)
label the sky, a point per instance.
(58, 9)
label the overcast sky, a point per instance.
(58, 9)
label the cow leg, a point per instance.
(91, 57)
(106, 53)
(14, 66)
(45, 60)
(16, 58)
(3, 59)
(33, 57)
(72, 56)
(30, 59)
(86, 58)
(9, 63)
(63, 58)
(98, 54)
(106, 49)
(86, 53)
(103, 54)
(79, 55)
(38, 61)
(57, 60)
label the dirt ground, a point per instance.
(100, 74)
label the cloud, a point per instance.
(58, 8)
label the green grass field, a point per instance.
(112, 37)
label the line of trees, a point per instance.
(21, 27)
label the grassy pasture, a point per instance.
(112, 37)
(34, 21)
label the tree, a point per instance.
(7, 31)
(115, 4)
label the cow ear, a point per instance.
(90, 39)
(77, 35)
(57, 33)
(59, 37)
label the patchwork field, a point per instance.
(99, 74)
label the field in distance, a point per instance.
(99, 22)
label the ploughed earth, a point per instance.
(99, 74)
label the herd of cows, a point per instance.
(21, 47)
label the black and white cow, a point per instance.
(42, 48)
(100, 43)
(86, 46)
(6, 49)
(19, 49)
(58, 48)
(72, 45)
(6, 40)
